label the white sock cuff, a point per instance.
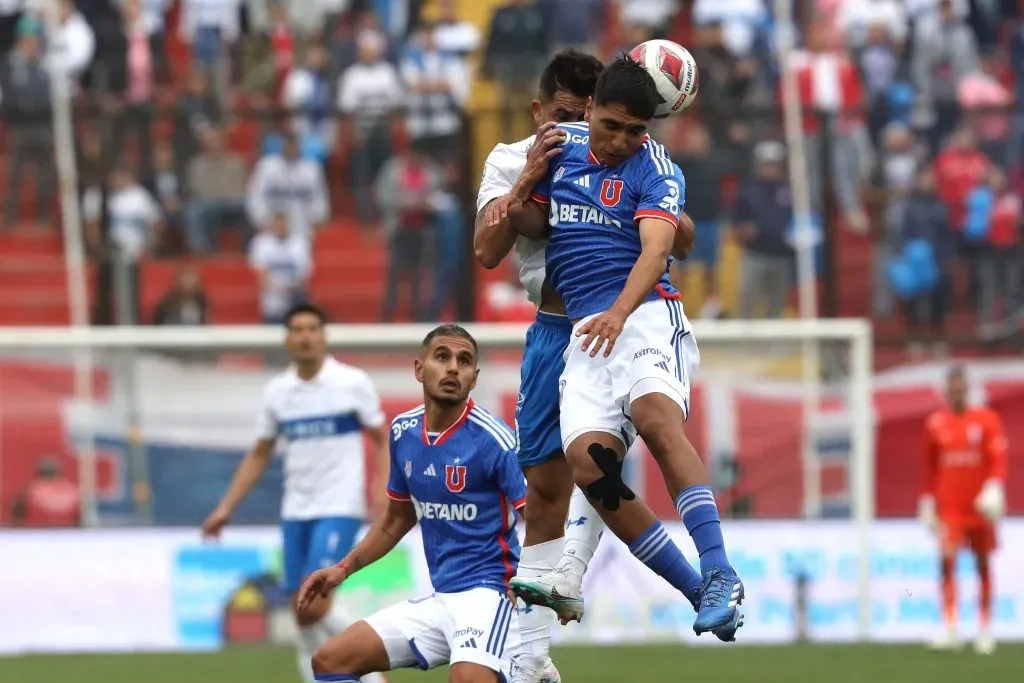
(311, 637)
(541, 558)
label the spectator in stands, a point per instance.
(283, 261)
(50, 499)
(923, 216)
(268, 54)
(831, 88)
(345, 44)
(740, 21)
(858, 20)
(449, 244)
(517, 47)
(959, 168)
(407, 192)
(10, 14)
(985, 104)
(437, 90)
(705, 173)
(131, 228)
(941, 59)
(993, 220)
(368, 93)
(452, 34)
(185, 303)
(306, 93)
(879, 63)
(288, 184)
(154, 17)
(652, 15)
(25, 85)
(584, 33)
(133, 71)
(208, 26)
(896, 178)
(166, 188)
(77, 44)
(1014, 153)
(762, 221)
(215, 186)
(195, 110)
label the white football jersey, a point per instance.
(501, 170)
(321, 422)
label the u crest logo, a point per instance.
(611, 192)
(455, 477)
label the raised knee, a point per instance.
(330, 659)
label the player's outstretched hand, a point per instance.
(320, 584)
(602, 330)
(216, 521)
(497, 211)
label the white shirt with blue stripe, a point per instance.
(321, 423)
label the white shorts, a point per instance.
(656, 353)
(479, 626)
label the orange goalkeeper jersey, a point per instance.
(962, 452)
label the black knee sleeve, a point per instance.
(609, 490)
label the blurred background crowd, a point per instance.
(233, 156)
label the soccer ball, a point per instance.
(674, 72)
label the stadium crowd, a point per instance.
(205, 126)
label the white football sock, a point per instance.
(582, 534)
(337, 618)
(310, 638)
(535, 622)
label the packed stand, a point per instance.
(263, 126)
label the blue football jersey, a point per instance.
(466, 486)
(594, 212)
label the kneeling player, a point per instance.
(965, 467)
(453, 467)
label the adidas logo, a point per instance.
(430, 471)
(663, 365)
(582, 182)
(469, 643)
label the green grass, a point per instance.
(789, 664)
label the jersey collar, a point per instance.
(443, 436)
(325, 370)
(594, 160)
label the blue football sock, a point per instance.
(696, 507)
(336, 678)
(656, 550)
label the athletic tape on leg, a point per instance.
(609, 490)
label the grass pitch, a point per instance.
(788, 664)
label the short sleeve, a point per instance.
(663, 190)
(398, 487)
(267, 427)
(368, 407)
(500, 175)
(510, 477)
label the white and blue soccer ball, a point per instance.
(674, 71)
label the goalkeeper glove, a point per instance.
(926, 513)
(991, 502)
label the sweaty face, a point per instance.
(447, 369)
(615, 134)
(564, 107)
(306, 339)
(956, 391)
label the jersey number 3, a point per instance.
(670, 202)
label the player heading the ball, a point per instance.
(610, 205)
(454, 470)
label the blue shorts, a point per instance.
(705, 243)
(311, 544)
(537, 430)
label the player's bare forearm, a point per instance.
(685, 236)
(383, 536)
(492, 242)
(249, 471)
(656, 241)
(531, 221)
